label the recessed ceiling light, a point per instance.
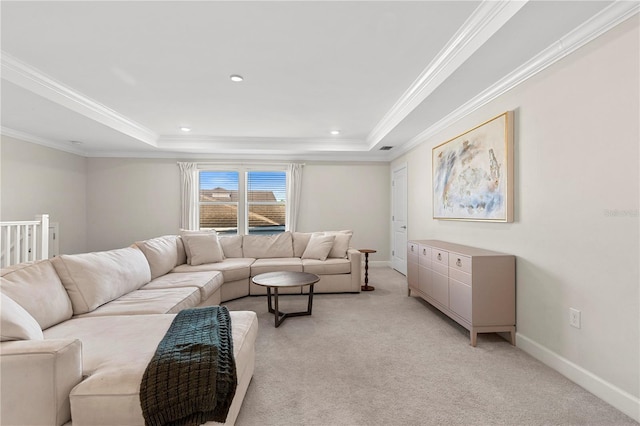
(185, 129)
(335, 132)
(236, 78)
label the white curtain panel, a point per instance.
(294, 189)
(189, 196)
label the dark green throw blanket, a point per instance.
(191, 378)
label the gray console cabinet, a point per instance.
(474, 287)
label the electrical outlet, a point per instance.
(574, 317)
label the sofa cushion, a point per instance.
(114, 361)
(37, 288)
(326, 267)
(203, 248)
(261, 266)
(182, 252)
(16, 323)
(319, 247)
(300, 241)
(208, 282)
(341, 243)
(268, 246)
(93, 279)
(153, 301)
(161, 253)
(231, 245)
(232, 269)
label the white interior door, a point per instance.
(399, 219)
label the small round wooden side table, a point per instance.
(366, 286)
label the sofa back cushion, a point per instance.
(16, 323)
(341, 243)
(161, 253)
(93, 279)
(267, 246)
(300, 241)
(37, 288)
(182, 253)
(231, 245)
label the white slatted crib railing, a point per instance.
(24, 241)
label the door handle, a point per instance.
(403, 227)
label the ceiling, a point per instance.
(121, 78)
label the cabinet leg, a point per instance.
(474, 337)
(512, 333)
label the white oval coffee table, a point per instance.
(276, 280)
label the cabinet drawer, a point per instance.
(460, 299)
(459, 262)
(412, 249)
(458, 275)
(440, 257)
(412, 254)
(424, 253)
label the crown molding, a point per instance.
(348, 157)
(483, 23)
(231, 151)
(33, 80)
(258, 144)
(49, 143)
(600, 23)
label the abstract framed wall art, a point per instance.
(473, 173)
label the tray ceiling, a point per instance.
(122, 78)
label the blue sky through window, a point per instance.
(226, 180)
(259, 181)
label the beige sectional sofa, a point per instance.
(245, 256)
(79, 330)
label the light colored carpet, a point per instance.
(382, 358)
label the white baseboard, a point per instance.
(620, 399)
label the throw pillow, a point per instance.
(203, 248)
(16, 323)
(187, 251)
(319, 247)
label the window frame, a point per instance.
(243, 202)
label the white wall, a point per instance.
(348, 196)
(36, 180)
(133, 199)
(576, 160)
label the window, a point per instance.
(219, 201)
(266, 202)
(243, 201)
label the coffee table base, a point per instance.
(279, 317)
